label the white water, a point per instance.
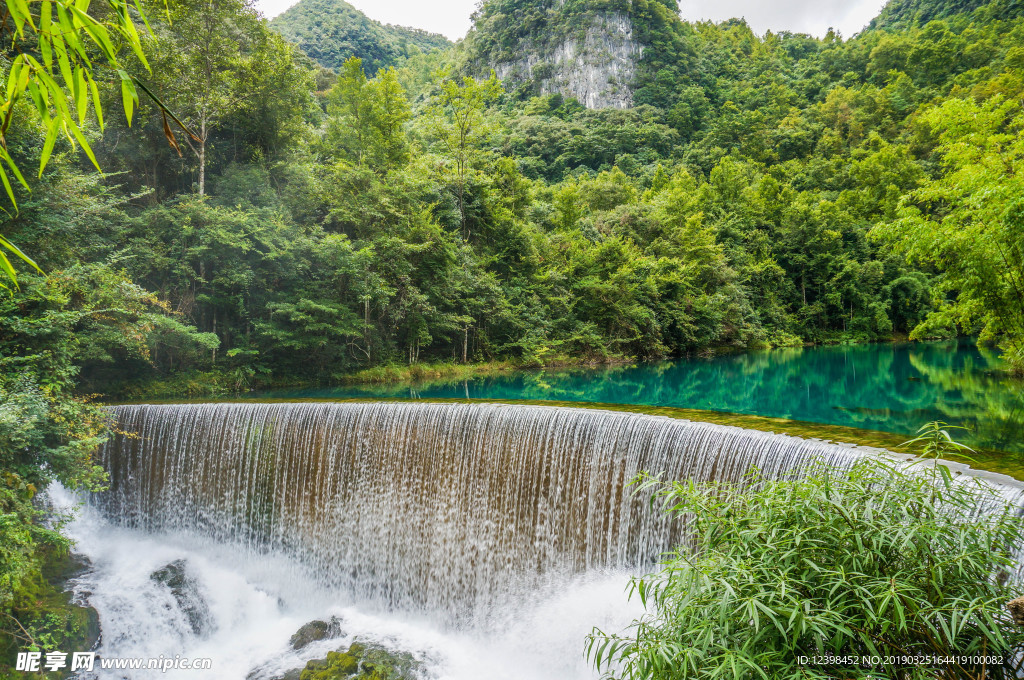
(256, 605)
(485, 540)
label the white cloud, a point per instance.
(451, 17)
(799, 16)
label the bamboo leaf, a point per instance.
(5, 266)
(7, 182)
(96, 104)
(81, 95)
(129, 96)
(51, 139)
(85, 145)
(14, 249)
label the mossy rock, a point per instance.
(362, 662)
(47, 610)
(336, 665)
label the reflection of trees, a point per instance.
(893, 388)
(971, 393)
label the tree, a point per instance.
(202, 60)
(367, 118)
(457, 121)
(969, 222)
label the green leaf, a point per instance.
(51, 138)
(96, 105)
(129, 96)
(77, 132)
(14, 249)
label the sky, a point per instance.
(451, 17)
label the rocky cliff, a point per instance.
(597, 67)
(587, 49)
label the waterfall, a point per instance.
(439, 508)
(485, 540)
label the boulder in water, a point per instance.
(314, 631)
(186, 593)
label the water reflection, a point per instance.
(888, 387)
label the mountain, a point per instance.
(331, 31)
(593, 50)
(902, 14)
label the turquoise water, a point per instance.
(889, 387)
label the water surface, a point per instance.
(888, 387)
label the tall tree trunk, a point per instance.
(462, 210)
(461, 170)
(366, 329)
(465, 342)
(202, 157)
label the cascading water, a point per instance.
(432, 507)
(486, 538)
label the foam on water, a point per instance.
(255, 605)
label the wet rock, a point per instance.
(386, 664)
(362, 662)
(59, 571)
(72, 567)
(186, 593)
(336, 665)
(314, 631)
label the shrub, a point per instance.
(881, 561)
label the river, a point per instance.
(890, 387)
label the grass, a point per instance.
(417, 373)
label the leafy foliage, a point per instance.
(57, 38)
(762, 193)
(881, 561)
(906, 13)
(970, 221)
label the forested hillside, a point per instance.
(901, 14)
(331, 31)
(764, 190)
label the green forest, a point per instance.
(764, 192)
(259, 219)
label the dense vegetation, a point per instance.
(765, 191)
(331, 31)
(805, 578)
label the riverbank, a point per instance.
(243, 380)
(219, 383)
